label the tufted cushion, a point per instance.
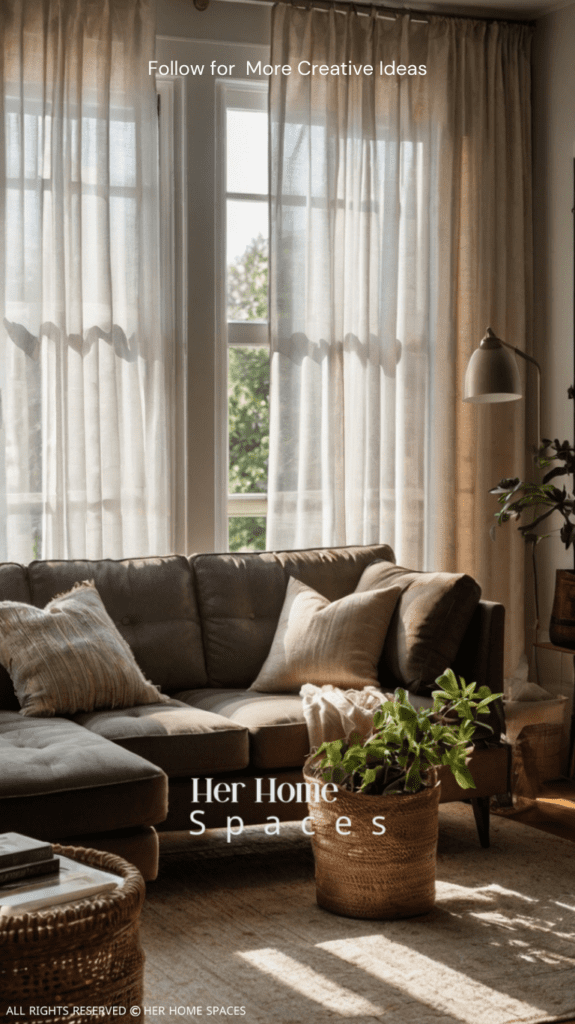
(152, 603)
(428, 624)
(179, 739)
(241, 596)
(58, 779)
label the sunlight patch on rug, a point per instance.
(309, 983)
(440, 988)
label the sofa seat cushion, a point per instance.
(277, 730)
(240, 597)
(179, 739)
(58, 779)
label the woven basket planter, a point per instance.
(82, 954)
(376, 876)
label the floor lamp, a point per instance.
(492, 375)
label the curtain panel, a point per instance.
(400, 229)
(84, 353)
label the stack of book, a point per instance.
(22, 857)
(32, 878)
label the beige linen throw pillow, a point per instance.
(318, 641)
(69, 657)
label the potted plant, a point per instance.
(375, 844)
(537, 502)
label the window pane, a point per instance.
(247, 261)
(248, 419)
(247, 150)
(247, 533)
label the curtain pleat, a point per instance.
(400, 229)
(84, 465)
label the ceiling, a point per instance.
(501, 8)
(507, 9)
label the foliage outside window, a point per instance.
(246, 200)
(248, 394)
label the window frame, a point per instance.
(199, 450)
(229, 332)
(173, 240)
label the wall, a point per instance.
(553, 144)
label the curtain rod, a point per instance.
(392, 12)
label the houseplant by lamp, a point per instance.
(492, 376)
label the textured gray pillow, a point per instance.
(429, 622)
(69, 657)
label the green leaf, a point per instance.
(333, 751)
(463, 777)
(449, 682)
(413, 777)
(466, 731)
(369, 777)
(483, 691)
(488, 700)
(354, 759)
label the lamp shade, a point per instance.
(492, 373)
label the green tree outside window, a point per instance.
(248, 394)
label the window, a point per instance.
(243, 223)
(194, 152)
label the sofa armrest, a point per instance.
(480, 656)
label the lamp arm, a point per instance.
(530, 359)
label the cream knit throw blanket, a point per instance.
(331, 714)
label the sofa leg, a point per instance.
(480, 806)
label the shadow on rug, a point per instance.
(233, 930)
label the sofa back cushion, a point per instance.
(428, 625)
(13, 587)
(240, 597)
(152, 603)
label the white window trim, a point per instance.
(247, 505)
(173, 241)
(248, 332)
(235, 332)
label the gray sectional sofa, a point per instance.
(200, 628)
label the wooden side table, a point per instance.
(78, 955)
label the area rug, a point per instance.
(233, 930)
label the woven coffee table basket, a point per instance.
(82, 954)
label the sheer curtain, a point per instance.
(84, 353)
(400, 228)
